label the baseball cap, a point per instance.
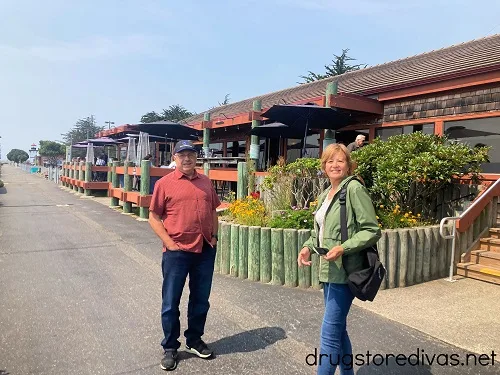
(184, 146)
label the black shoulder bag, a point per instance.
(364, 283)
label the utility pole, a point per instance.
(109, 124)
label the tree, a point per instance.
(176, 113)
(173, 113)
(339, 65)
(53, 151)
(224, 102)
(17, 156)
(151, 117)
(83, 129)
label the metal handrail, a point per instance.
(454, 227)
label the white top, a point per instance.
(320, 218)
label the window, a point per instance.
(478, 132)
(387, 132)
(295, 147)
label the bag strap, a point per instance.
(343, 213)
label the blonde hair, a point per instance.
(333, 149)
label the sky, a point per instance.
(63, 60)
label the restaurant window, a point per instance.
(478, 132)
(215, 150)
(390, 131)
(294, 147)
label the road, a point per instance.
(80, 292)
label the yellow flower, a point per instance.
(377, 217)
(418, 215)
(381, 206)
(402, 220)
(406, 215)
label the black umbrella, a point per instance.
(306, 116)
(168, 130)
(104, 141)
(277, 130)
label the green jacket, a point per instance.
(362, 229)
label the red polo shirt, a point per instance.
(186, 206)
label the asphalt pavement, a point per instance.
(80, 293)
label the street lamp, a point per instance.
(109, 124)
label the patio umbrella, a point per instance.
(168, 130)
(131, 151)
(278, 130)
(99, 141)
(90, 153)
(143, 146)
(305, 116)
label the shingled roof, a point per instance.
(455, 60)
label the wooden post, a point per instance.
(127, 186)
(206, 144)
(254, 148)
(88, 177)
(234, 256)
(290, 246)
(266, 260)
(145, 186)
(114, 183)
(243, 252)
(242, 185)
(254, 253)
(329, 135)
(81, 177)
(304, 273)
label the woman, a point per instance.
(363, 231)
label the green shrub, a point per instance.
(409, 170)
(294, 184)
(293, 218)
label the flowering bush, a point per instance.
(391, 218)
(248, 211)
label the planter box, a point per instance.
(411, 255)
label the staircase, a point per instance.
(484, 262)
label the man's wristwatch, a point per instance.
(215, 236)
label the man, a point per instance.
(357, 144)
(182, 213)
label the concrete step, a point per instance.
(490, 244)
(485, 258)
(479, 272)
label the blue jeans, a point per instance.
(335, 347)
(176, 266)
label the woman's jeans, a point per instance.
(335, 347)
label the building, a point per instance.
(454, 91)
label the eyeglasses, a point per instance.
(190, 155)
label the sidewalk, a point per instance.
(465, 313)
